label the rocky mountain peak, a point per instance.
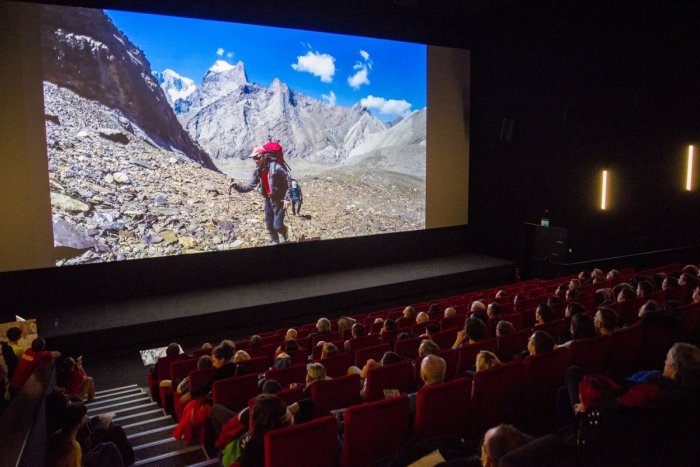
(223, 72)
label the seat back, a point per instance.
(589, 354)
(286, 376)
(325, 337)
(164, 363)
(335, 393)
(545, 374)
(375, 352)
(467, 354)
(234, 393)
(445, 339)
(337, 365)
(443, 409)
(624, 347)
(374, 430)
(263, 351)
(690, 316)
(311, 443)
(408, 348)
(299, 356)
(257, 365)
(396, 376)
(554, 328)
(497, 395)
(362, 342)
(516, 319)
(181, 368)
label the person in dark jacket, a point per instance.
(297, 197)
(272, 177)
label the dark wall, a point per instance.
(583, 89)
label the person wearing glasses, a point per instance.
(272, 177)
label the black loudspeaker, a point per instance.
(548, 243)
(507, 129)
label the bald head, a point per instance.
(432, 370)
(499, 441)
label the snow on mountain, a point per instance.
(175, 86)
(227, 116)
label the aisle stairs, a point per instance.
(147, 428)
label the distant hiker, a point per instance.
(272, 175)
(297, 197)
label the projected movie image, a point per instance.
(155, 126)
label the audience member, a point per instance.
(499, 441)
(409, 312)
(494, 310)
(503, 328)
(255, 341)
(473, 331)
(32, 359)
(644, 288)
(540, 343)
(329, 350)
(241, 356)
(222, 361)
(582, 327)
(432, 370)
(450, 313)
(78, 384)
(422, 318)
(486, 360)
(544, 314)
(269, 413)
(345, 323)
(427, 347)
(605, 321)
(203, 363)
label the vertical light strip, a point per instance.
(604, 190)
(689, 175)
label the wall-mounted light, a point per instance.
(604, 190)
(689, 173)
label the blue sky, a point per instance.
(389, 77)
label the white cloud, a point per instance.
(229, 55)
(392, 107)
(330, 99)
(219, 51)
(362, 75)
(359, 78)
(318, 64)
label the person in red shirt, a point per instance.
(271, 177)
(75, 380)
(31, 360)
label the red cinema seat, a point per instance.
(408, 348)
(257, 365)
(337, 365)
(375, 352)
(445, 339)
(374, 430)
(287, 376)
(528, 318)
(497, 396)
(590, 354)
(313, 443)
(264, 351)
(163, 371)
(516, 319)
(198, 378)
(299, 356)
(443, 409)
(362, 342)
(545, 374)
(554, 328)
(397, 376)
(335, 394)
(179, 370)
(468, 352)
(234, 393)
(325, 337)
(624, 347)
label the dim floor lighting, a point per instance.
(689, 174)
(604, 190)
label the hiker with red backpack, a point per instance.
(272, 176)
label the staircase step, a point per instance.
(145, 425)
(134, 390)
(111, 390)
(205, 463)
(137, 417)
(159, 447)
(106, 402)
(147, 436)
(185, 456)
(123, 405)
